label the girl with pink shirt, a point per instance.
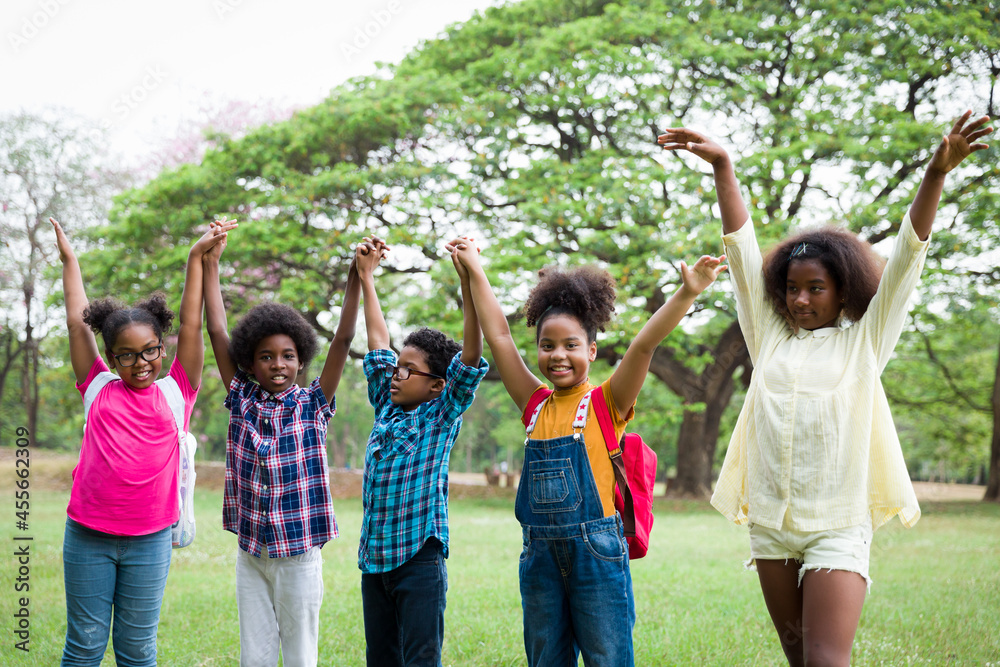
(116, 549)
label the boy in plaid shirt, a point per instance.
(277, 492)
(419, 399)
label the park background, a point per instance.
(531, 126)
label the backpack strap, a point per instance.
(93, 389)
(533, 407)
(615, 448)
(172, 392)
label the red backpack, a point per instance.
(634, 464)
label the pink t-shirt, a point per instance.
(126, 480)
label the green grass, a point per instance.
(935, 601)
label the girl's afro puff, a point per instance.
(852, 264)
(109, 316)
(587, 293)
(268, 319)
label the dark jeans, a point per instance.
(404, 610)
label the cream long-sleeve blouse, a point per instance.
(815, 447)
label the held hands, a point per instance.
(62, 243)
(959, 143)
(211, 245)
(697, 278)
(368, 254)
(463, 250)
(680, 138)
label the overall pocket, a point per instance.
(553, 486)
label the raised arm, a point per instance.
(472, 333)
(367, 257)
(519, 381)
(215, 310)
(958, 145)
(190, 343)
(340, 346)
(82, 342)
(631, 372)
(727, 187)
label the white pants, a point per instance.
(278, 600)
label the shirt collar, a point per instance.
(265, 395)
(820, 333)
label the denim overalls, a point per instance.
(576, 589)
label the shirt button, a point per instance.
(264, 488)
(266, 421)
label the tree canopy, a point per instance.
(532, 127)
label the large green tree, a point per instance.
(48, 167)
(532, 126)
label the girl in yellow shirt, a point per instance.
(814, 464)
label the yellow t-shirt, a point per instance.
(556, 420)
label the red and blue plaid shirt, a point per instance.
(405, 484)
(277, 480)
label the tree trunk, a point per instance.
(993, 485)
(714, 388)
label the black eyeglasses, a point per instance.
(126, 359)
(402, 372)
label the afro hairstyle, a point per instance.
(586, 293)
(852, 264)
(269, 319)
(438, 349)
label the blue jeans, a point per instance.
(404, 610)
(576, 595)
(111, 573)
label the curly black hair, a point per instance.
(268, 319)
(109, 316)
(852, 264)
(438, 349)
(586, 293)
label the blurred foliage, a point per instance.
(532, 127)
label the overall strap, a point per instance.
(579, 420)
(615, 448)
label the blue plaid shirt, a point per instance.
(405, 484)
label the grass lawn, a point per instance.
(935, 601)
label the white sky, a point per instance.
(141, 67)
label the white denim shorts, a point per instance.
(846, 549)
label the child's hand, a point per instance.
(368, 254)
(680, 138)
(211, 245)
(65, 250)
(959, 143)
(698, 277)
(464, 255)
(453, 247)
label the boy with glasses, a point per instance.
(419, 398)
